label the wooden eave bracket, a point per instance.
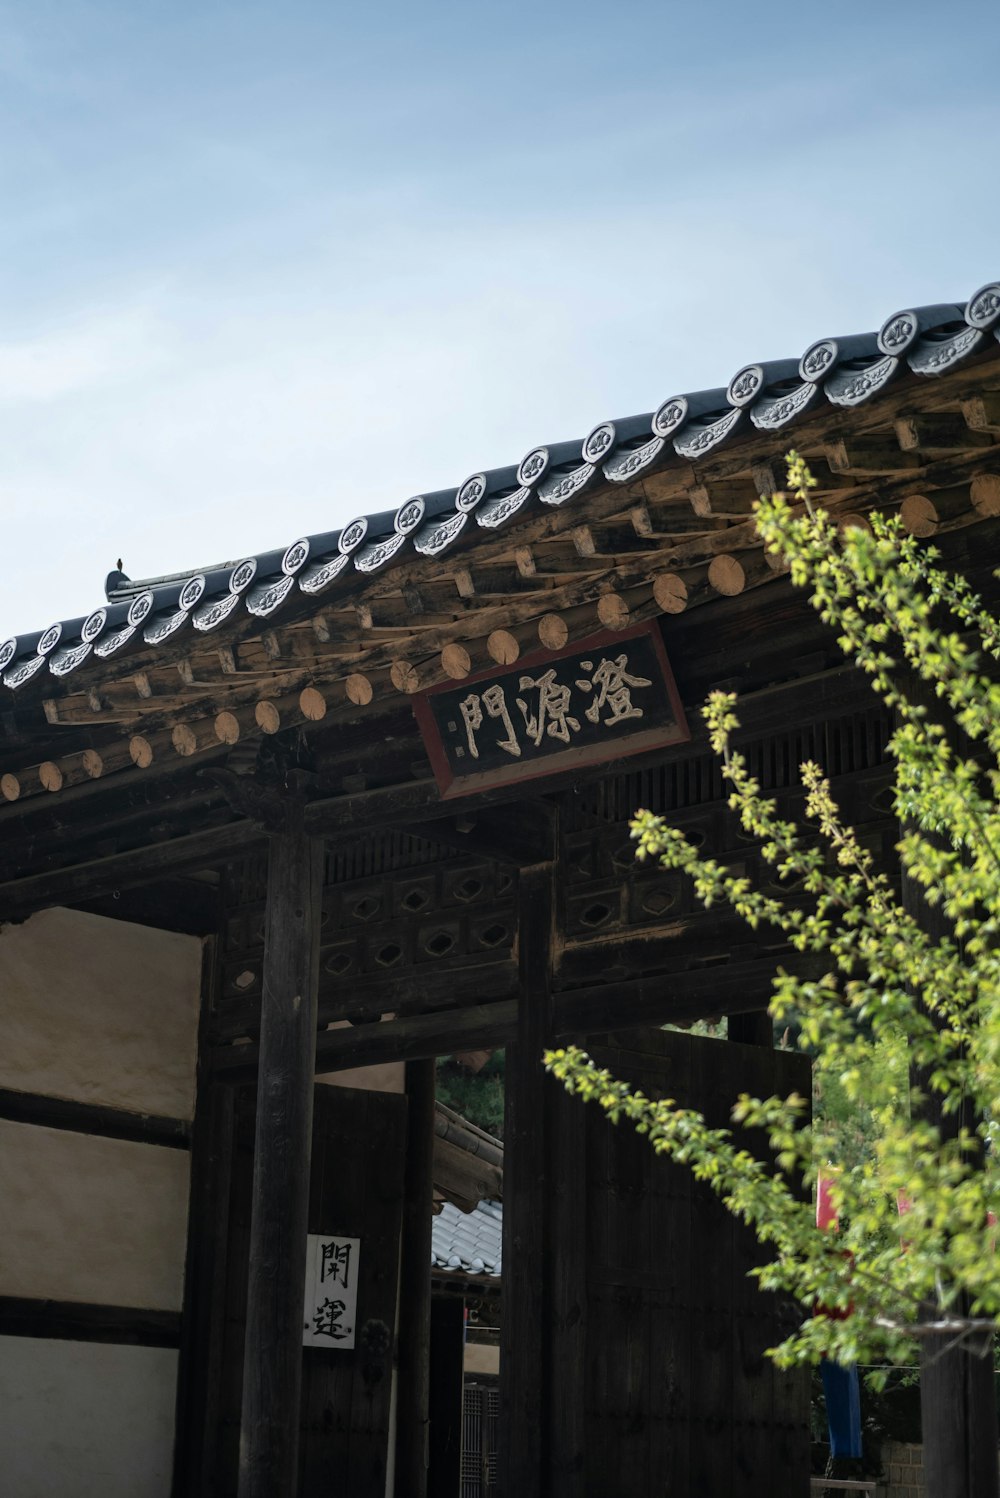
(267, 806)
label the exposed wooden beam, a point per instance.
(420, 989)
(97, 876)
(410, 1039)
(668, 998)
(517, 835)
(839, 690)
(93, 1118)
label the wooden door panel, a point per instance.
(676, 1393)
(355, 1190)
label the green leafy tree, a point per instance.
(476, 1095)
(912, 990)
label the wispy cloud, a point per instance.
(97, 349)
(265, 269)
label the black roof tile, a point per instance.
(844, 371)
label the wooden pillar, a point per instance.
(959, 1418)
(524, 1308)
(415, 1284)
(958, 1406)
(272, 1366)
(566, 1367)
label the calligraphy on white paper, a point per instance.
(331, 1299)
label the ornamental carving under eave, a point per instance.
(625, 465)
(434, 539)
(556, 491)
(850, 389)
(265, 599)
(314, 579)
(496, 512)
(931, 358)
(211, 615)
(695, 440)
(379, 552)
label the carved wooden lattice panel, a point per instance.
(376, 934)
(623, 918)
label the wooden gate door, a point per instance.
(657, 1377)
(355, 1191)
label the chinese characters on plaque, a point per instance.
(610, 696)
(331, 1291)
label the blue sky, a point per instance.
(264, 267)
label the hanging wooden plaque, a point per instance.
(605, 697)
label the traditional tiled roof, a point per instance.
(467, 1242)
(768, 397)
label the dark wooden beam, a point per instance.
(518, 834)
(522, 1324)
(74, 1321)
(673, 998)
(272, 1367)
(665, 998)
(419, 1036)
(190, 906)
(402, 991)
(811, 698)
(365, 998)
(99, 876)
(93, 1118)
(415, 1283)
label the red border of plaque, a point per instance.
(457, 773)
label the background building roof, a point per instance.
(467, 1242)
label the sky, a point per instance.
(264, 267)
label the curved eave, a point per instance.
(845, 384)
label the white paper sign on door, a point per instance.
(331, 1291)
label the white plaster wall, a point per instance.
(481, 1357)
(91, 1219)
(85, 1420)
(390, 1077)
(100, 1011)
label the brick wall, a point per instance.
(903, 1466)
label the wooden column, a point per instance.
(566, 1365)
(524, 1308)
(415, 1284)
(958, 1406)
(959, 1418)
(272, 1367)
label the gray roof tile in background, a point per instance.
(467, 1242)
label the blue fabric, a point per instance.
(843, 1408)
